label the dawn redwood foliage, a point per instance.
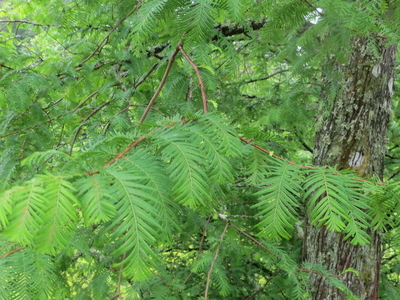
(206, 149)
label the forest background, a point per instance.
(205, 149)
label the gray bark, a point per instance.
(352, 135)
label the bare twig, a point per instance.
(32, 127)
(196, 69)
(264, 285)
(120, 155)
(11, 252)
(203, 237)
(5, 66)
(171, 60)
(144, 77)
(140, 105)
(104, 40)
(266, 77)
(86, 99)
(251, 238)
(120, 276)
(214, 260)
(83, 122)
(21, 22)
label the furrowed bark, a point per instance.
(352, 135)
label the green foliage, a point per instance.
(95, 204)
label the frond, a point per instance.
(27, 211)
(278, 200)
(186, 167)
(202, 264)
(33, 275)
(256, 166)
(338, 202)
(384, 205)
(97, 203)
(219, 168)
(199, 19)
(138, 223)
(222, 134)
(236, 9)
(148, 14)
(60, 214)
(159, 185)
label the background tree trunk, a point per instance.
(352, 135)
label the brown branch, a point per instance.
(120, 155)
(196, 69)
(130, 147)
(214, 260)
(11, 252)
(103, 41)
(164, 78)
(144, 77)
(5, 66)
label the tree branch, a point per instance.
(229, 29)
(266, 77)
(11, 252)
(171, 60)
(214, 260)
(203, 237)
(103, 41)
(83, 122)
(196, 69)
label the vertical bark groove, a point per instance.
(354, 137)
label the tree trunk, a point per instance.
(353, 136)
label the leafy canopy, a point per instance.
(134, 139)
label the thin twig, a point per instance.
(200, 246)
(120, 155)
(21, 21)
(214, 260)
(83, 122)
(196, 69)
(5, 66)
(267, 77)
(130, 147)
(32, 127)
(11, 252)
(264, 285)
(140, 105)
(251, 238)
(144, 77)
(86, 99)
(164, 78)
(120, 276)
(102, 43)
(258, 79)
